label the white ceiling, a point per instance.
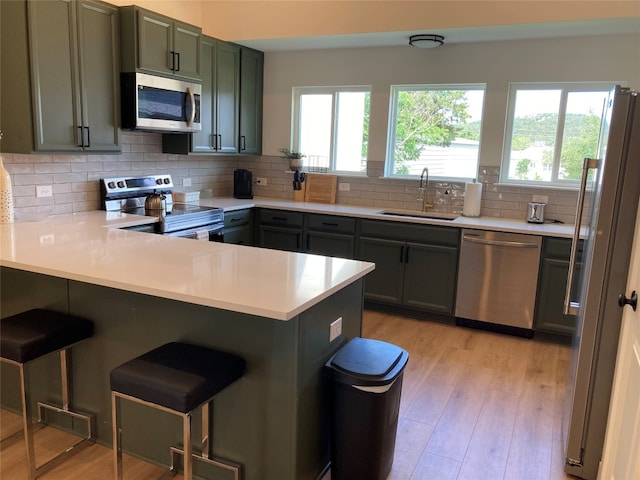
(454, 35)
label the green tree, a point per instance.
(581, 140)
(522, 168)
(427, 118)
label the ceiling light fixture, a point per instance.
(426, 40)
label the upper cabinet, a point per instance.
(231, 103)
(155, 44)
(251, 78)
(60, 76)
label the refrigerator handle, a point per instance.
(572, 308)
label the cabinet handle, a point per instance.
(328, 224)
(219, 146)
(178, 57)
(402, 254)
(244, 142)
(235, 219)
(406, 255)
(173, 61)
(88, 144)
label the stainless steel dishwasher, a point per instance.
(497, 280)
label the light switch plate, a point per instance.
(186, 182)
(335, 329)
(344, 187)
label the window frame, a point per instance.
(392, 121)
(565, 89)
(297, 92)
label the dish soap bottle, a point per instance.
(6, 195)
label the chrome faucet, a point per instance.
(423, 189)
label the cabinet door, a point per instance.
(186, 45)
(155, 43)
(54, 69)
(99, 79)
(330, 244)
(239, 235)
(251, 78)
(280, 238)
(430, 277)
(385, 283)
(551, 290)
(226, 95)
(204, 140)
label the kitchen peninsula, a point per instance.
(271, 307)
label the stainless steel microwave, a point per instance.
(150, 102)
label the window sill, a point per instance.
(537, 187)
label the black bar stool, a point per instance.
(30, 335)
(176, 378)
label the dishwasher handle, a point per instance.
(501, 243)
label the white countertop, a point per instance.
(89, 247)
(479, 223)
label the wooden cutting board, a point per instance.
(321, 188)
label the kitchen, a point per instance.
(74, 178)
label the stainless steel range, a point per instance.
(131, 194)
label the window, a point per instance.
(551, 128)
(331, 128)
(434, 126)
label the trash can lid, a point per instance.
(365, 357)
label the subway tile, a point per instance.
(52, 168)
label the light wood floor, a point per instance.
(475, 405)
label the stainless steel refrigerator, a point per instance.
(613, 182)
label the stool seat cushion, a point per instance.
(34, 333)
(179, 376)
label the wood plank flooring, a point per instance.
(475, 406)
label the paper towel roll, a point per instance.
(472, 199)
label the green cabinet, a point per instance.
(159, 45)
(231, 103)
(552, 282)
(238, 227)
(60, 76)
(219, 100)
(251, 88)
(280, 229)
(330, 235)
(416, 265)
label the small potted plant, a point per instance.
(295, 158)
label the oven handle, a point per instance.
(192, 100)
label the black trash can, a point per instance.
(366, 381)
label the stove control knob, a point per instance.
(158, 181)
(120, 184)
(111, 184)
(166, 181)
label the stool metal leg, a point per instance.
(117, 436)
(206, 430)
(188, 447)
(27, 425)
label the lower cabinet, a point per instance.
(420, 273)
(330, 235)
(280, 229)
(238, 227)
(552, 282)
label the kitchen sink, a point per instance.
(420, 214)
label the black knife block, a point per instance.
(242, 184)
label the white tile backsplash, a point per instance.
(74, 179)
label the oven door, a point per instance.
(210, 233)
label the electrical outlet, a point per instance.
(540, 198)
(335, 329)
(44, 191)
(262, 181)
(344, 187)
(186, 182)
